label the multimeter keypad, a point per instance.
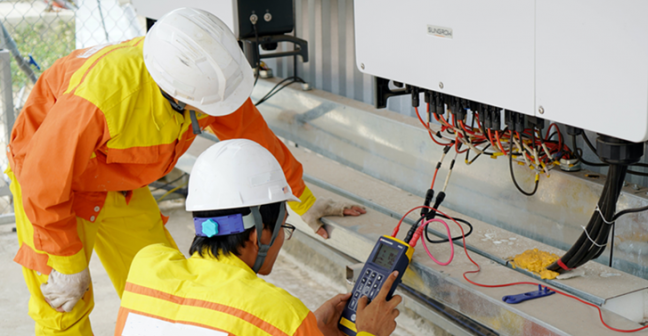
(367, 286)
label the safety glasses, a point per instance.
(289, 229)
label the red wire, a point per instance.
(434, 178)
(457, 145)
(490, 139)
(477, 119)
(463, 126)
(522, 148)
(499, 143)
(427, 126)
(463, 237)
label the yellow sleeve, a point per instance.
(307, 200)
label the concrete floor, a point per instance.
(311, 286)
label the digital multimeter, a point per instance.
(389, 255)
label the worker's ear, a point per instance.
(253, 238)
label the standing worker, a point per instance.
(240, 223)
(99, 126)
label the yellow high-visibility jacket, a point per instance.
(206, 296)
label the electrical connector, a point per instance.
(439, 101)
(486, 116)
(461, 106)
(536, 122)
(428, 199)
(437, 203)
(509, 119)
(451, 103)
(496, 118)
(519, 120)
(415, 95)
(574, 130)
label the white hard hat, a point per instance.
(235, 174)
(195, 58)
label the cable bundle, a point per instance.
(593, 240)
(526, 145)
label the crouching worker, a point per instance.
(238, 194)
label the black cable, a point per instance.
(604, 163)
(589, 144)
(602, 236)
(258, 55)
(634, 172)
(542, 143)
(612, 244)
(535, 188)
(478, 155)
(584, 249)
(169, 183)
(272, 92)
(427, 237)
(627, 211)
(580, 157)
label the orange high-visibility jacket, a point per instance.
(220, 296)
(97, 122)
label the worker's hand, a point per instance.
(328, 315)
(63, 291)
(327, 207)
(379, 317)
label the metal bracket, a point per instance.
(251, 47)
(383, 92)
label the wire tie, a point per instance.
(603, 217)
(590, 238)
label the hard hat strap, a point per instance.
(258, 223)
(194, 122)
(178, 107)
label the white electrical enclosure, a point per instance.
(584, 63)
(155, 9)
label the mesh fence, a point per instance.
(35, 33)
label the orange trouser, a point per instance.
(117, 234)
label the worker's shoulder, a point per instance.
(155, 255)
(111, 74)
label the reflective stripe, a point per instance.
(183, 301)
(140, 325)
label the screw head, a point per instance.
(541, 110)
(254, 18)
(362, 66)
(267, 17)
(440, 85)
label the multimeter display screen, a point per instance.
(386, 256)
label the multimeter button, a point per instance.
(379, 277)
(353, 317)
(369, 283)
(373, 275)
(364, 280)
(375, 286)
(367, 272)
(356, 294)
